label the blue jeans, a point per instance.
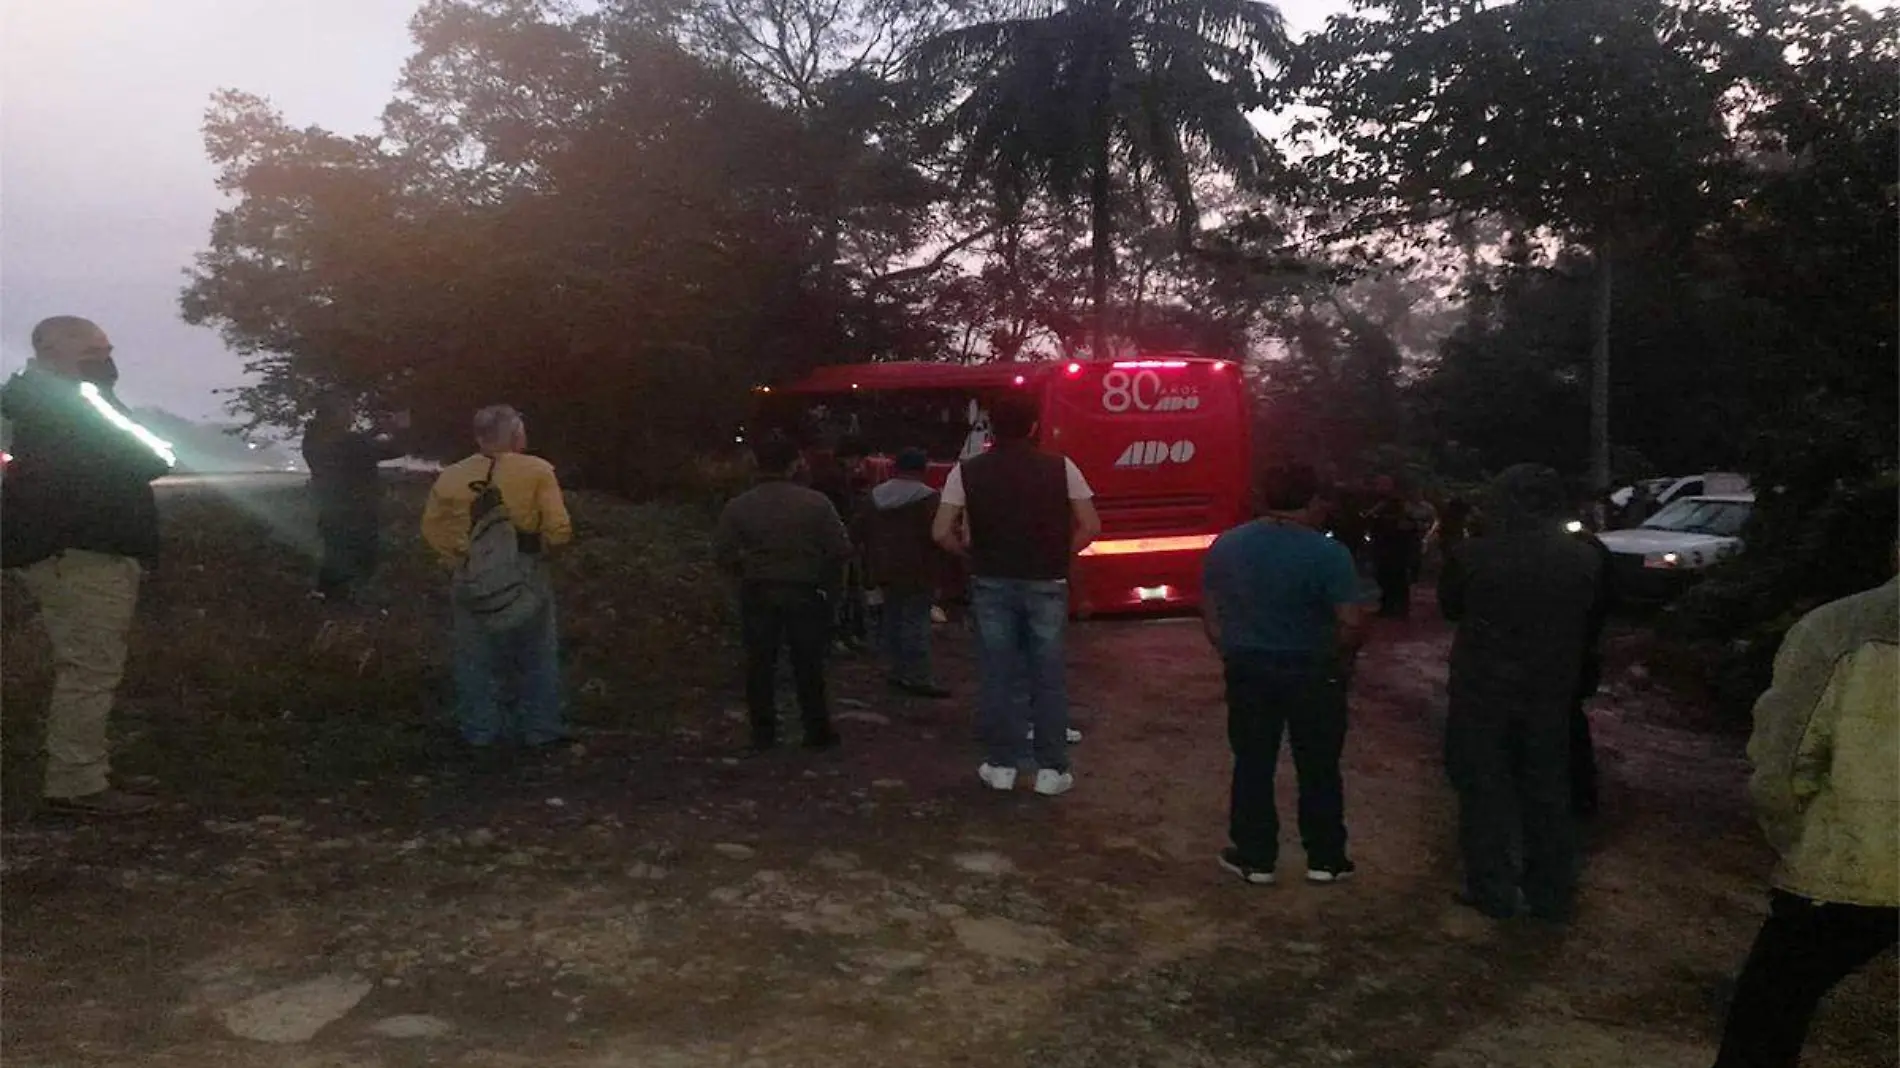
(521, 668)
(907, 635)
(1019, 627)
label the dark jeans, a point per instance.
(851, 616)
(1394, 573)
(1303, 697)
(1019, 629)
(1510, 764)
(777, 615)
(1803, 949)
(508, 685)
(350, 550)
(906, 625)
(1583, 763)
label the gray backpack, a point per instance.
(496, 582)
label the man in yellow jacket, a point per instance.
(520, 646)
(1826, 751)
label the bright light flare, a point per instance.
(1072, 370)
(118, 418)
(1144, 594)
(1575, 526)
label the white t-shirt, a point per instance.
(1078, 486)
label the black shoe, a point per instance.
(921, 689)
(1333, 872)
(827, 740)
(105, 804)
(1490, 909)
(1249, 873)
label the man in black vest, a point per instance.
(1018, 514)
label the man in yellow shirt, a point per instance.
(524, 654)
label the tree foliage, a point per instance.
(622, 216)
(1065, 99)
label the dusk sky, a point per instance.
(105, 193)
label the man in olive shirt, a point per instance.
(786, 545)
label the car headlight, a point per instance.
(1662, 561)
(1575, 526)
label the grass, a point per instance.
(241, 689)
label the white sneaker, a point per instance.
(1053, 783)
(998, 778)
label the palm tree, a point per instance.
(1059, 95)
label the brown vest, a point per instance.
(1018, 502)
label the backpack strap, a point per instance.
(488, 479)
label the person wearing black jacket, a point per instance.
(1526, 597)
(344, 482)
(81, 523)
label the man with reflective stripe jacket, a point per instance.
(80, 521)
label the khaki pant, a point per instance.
(86, 602)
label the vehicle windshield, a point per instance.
(1697, 516)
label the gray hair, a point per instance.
(496, 425)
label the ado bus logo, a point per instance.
(1156, 453)
(1143, 391)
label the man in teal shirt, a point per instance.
(1285, 609)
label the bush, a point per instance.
(1795, 562)
(241, 690)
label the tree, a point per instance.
(1602, 121)
(1062, 98)
(574, 215)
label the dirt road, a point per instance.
(642, 903)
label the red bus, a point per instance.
(1163, 440)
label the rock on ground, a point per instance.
(295, 1013)
(1002, 939)
(984, 863)
(412, 1027)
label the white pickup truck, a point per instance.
(1667, 490)
(1673, 547)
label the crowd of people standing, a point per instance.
(1284, 607)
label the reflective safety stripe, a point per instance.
(119, 419)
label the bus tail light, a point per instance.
(1073, 369)
(1149, 365)
(1130, 546)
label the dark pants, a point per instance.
(1803, 949)
(851, 617)
(785, 615)
(1393, 570)
(350, 550)
(1583, 763)
(906, 629)
(1303, 697)
(1510, 764)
